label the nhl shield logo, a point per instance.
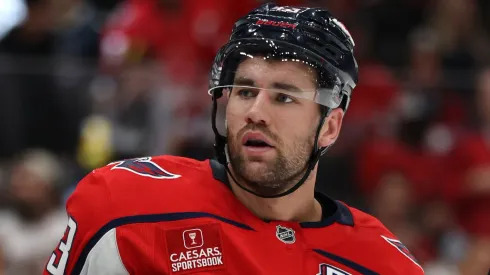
(285, 235)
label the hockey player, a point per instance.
(286, 75)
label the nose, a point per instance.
(259, 111)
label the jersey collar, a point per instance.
(333, 211)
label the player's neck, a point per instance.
(300, 206)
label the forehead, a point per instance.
(265, 71)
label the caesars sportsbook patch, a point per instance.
(195, 249)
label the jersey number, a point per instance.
(57, 265)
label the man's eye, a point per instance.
(284, 98)
(246, 93)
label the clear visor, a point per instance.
(328, 98)
(285, 80)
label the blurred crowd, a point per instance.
(87, 82)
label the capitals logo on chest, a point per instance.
(195, 249)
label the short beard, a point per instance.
(276, 176)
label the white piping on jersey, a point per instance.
(118, 252)
(104, 258)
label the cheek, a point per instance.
(298, 124)
(294, 134)
(233, 121)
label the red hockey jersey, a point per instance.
(171, 215)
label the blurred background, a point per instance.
(86, 82)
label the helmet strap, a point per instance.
(220, 141)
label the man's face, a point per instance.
(262, 115)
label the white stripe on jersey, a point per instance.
(104, 258)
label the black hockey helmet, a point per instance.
(309, 35)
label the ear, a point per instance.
(331, 128)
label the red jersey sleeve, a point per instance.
(88, 210)
(385, 253)
(398, 259)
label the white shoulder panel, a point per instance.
(104, 258)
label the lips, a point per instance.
(256, 140)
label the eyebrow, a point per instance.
(243, 81)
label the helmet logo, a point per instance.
(276, 24)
